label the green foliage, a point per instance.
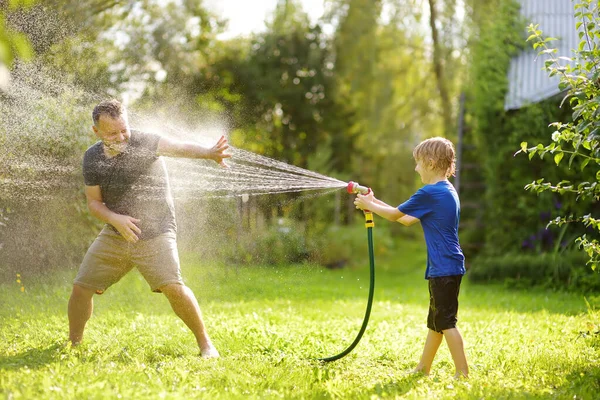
(286, 242)
(285, 85)
(13, 43)
(276, 244)
(341, 246)
(383, 76)
(43, 139)
(512, 216)
(566, 270)
(578, 139)
(496, 41)
(293, 93)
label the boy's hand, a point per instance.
(363, 202)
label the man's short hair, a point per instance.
(113, 108)
(441, 151)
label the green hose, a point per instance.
(369, 224)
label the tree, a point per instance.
(438, 66)
(383, 69)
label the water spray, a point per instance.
(354, 188)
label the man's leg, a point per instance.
(186, 307)
(432, 343)
(81, 306)
(457, 349)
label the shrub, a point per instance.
(566, 270)
(280, 243)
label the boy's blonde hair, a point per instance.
(440, 151)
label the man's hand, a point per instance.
(127, 227)
(175, 148)
(217, 152)
(364, 202)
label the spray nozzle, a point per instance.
(354, 187)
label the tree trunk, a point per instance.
(439, 68)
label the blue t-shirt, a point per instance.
(438, 208)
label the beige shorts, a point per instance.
(110, 257)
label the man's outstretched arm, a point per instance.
(175, 148)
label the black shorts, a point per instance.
(443, 302)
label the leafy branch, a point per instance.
(580, 139)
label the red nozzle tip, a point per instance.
(350, 186)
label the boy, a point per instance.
(437, 207)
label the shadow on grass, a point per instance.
(584, 382)
(33, 358)
(396, 387)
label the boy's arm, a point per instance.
(408, 220)
(370, 202)
(384, 210)
(377, 201)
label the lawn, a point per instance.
(270, 324)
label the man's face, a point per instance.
(114, 133)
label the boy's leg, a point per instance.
(186, 307)
(81, 306)
(432, 343)
(457, 349)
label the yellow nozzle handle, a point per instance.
(369, 223)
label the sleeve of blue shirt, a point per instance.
(418, 206)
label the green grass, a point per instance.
(271, 323)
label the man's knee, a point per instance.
(81, 292)
(173, 289)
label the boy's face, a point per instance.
(425, 170)
(421, 169)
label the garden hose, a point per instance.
(369, 224)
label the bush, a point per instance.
(44, 131)
(287, 241)
(338, 246)
(280, 243)
(566, 270)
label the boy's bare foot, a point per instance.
(418, 371)
(209, 352)
(461, 375)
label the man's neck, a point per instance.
(110, 153)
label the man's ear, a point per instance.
(95, 129)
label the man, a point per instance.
(127, 187)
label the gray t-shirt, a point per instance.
(134, 183)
